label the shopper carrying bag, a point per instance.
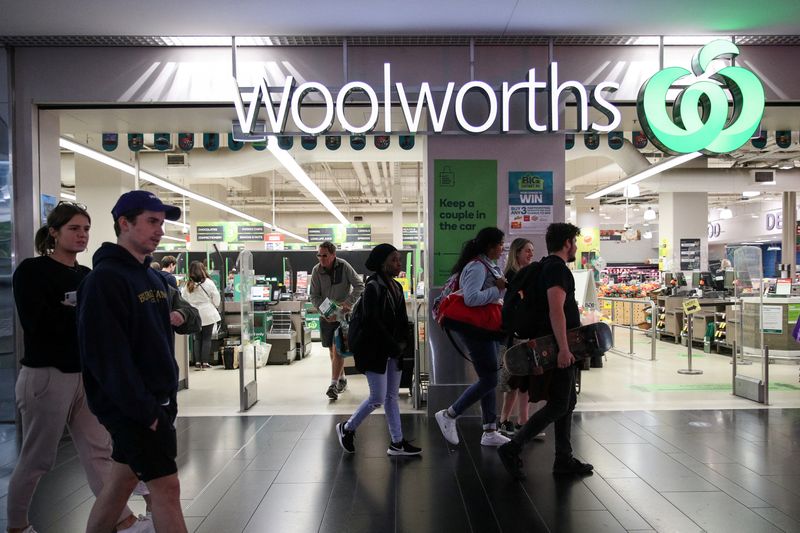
(482, 286)
(202, 293)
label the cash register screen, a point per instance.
(260, 293)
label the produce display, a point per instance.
(624, 290)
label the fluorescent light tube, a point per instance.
(643, 175)
(165, 184)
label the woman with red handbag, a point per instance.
(481, 284)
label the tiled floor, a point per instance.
(718, 470)
(623, 383)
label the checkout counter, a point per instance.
(778, 316)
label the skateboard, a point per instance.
(542, 352)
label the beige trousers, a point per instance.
(48, 400)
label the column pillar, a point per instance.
(397, 215)
(682, 215)
(789, 237)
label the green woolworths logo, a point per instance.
(700, 120)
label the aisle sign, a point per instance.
(249, 233)
(215, 233)
(340, 233)
(274, 241)
(690, 254)
(530, 202)
(464, 201)
(412, 234)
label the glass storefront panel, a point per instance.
(8, 361)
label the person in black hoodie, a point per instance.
(125, 332)
(49, 389)
(379, 350)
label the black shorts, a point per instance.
(326, 330)
(150, 454)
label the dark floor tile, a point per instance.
(233, 511)
(773, 494)
(778, 519)
(197, 469)
(659, 470)
(718, 512)
(295, 507)
(620, 509)
(311, 461)
(208, 497)
(721, 482)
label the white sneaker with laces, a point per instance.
(493, 438)
(29, 529)
(142, 525)
(448, 426)
(141, 489)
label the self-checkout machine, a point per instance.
(749, 381)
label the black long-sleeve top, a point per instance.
(49, 327)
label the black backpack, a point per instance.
(355, 324)
(522, 310)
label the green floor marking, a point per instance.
(678, 387)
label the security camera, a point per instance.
(591, 209)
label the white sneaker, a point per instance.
(448, 426)
(29, 529)
(142, 525)
(540, 436)
(493, 438)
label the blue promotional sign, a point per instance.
(358, 141)
(186, 141)
(135, 141)
(569, 141)
(260, 146)
(591, 140)
(761, 141)
(233, 145)
(406, 142)
(110, 141)
(162, 141)
(530, 202)
(211, 141)
(783, 138)
(333, 142)
(309, 142)
(285, 142)
(615, 140)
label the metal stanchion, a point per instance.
(766, 374)
(689, 347)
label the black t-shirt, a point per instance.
(555, 273)
(50, 327)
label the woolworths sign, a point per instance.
(702, 117)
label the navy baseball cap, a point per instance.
(145, 200)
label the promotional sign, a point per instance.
(464, 201)
(274, 241)
(690, 254)
(135, 141)
(46, 204)
(691, 306)
(772, 318)
(588, 247)
(211, 141)
(162, 141)
(406, 142)
(186, 141)
(530, 202)
(233, 144)
(110, 141)
(333, 142)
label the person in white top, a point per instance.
(202, 293)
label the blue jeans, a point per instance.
(383, 389)
(484, 358)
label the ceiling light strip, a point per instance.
(648, 173)
(165, 184)
(299, 174)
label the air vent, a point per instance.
(763, 176)
(177, 160)
(358, 218)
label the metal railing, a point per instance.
(632, 326)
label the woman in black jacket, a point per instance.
(379, 350)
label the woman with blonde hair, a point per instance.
(515, 388)
(202, 293)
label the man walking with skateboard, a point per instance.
(556, 305)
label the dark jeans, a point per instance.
(201, 346)
(558, 410)
(484, 358)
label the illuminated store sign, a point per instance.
(292, 98)
(700, 120)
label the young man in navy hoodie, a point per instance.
(125, 333)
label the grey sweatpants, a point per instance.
(48, 400)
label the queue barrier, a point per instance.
(632, 326)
